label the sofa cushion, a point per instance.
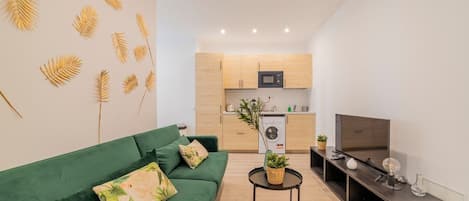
(193, 154)
(212, 169)
(155, 139)
(194, 190)
(64, 175)
(148, 183)
(87, 194)
(168, 157)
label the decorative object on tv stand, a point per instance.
(250, 112)
(418, 189)
(322, 142)
(120, 45)
(61, 69)
(102, 88)
(86, 22)
(149, 85)
(116, 4)
(276, 165)
(145, 33)
(9, 104)
(22, 14)
(352, 164)
(392, 166)
(130, 83)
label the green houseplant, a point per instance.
(276, 165)
(322, 142)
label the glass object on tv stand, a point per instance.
(418, 189)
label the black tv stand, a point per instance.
(356, 185)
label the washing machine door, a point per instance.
(271, 133)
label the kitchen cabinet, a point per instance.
(240, 72)
(237, 135)
(300, 131)
(298, 71)
(271, 62)
(209, 94)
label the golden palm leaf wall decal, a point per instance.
(120, 44)
(130, 83)
(86, 22)
(102, 88)
(61, 69)
(9, 104)
(149, 85)
(140, 52)
(144, 30)
(22, 13)
(116, 4)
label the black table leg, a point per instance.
(291, 197)
(254, 193)
(298, 193)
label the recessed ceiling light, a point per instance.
(286, 30)
(223, 31)
(254, 30)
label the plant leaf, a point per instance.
(86, 22)
(116, 4)
(140, 52)
(103, 86)
(61, 69)
(120, 44)
(130, 83)
(22, 13)
(150, 82)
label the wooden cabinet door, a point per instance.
(298, 71)
(238, 136)
(271, 62)
(209, 94)
(232, 72)
(300, 132)
(249, 71)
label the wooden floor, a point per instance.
(236, 186)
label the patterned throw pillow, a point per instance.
(193, 154)
(148, 183)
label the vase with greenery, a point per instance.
(276, 165)
(250, 112)
(322, 142)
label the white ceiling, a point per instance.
(205, 18)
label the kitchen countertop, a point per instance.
(233, 113)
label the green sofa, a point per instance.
(70, 177)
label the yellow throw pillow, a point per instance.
(148, 183)
(193, 154)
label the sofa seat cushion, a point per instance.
(212, 169)
(194, 190)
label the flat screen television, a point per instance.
(366, 139)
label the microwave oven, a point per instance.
(270, 79)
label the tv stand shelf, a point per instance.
(356, 185)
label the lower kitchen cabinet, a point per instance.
(237, 135)
(300, 131)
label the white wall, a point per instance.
(60, 120)
(406, 61)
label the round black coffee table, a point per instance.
(293, 179)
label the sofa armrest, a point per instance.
(210, 142)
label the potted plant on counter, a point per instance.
(322, 142)
(276, 168)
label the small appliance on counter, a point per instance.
(270, 79)
(230, 108)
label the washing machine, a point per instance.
(273, 127)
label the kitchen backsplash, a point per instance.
(281, 98)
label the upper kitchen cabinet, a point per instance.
(298, 71)
(209, 98)
(271, 62)
(240, 71)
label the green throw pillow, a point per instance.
(168, 157)
(148, 183)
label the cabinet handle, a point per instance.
(242, 83)
(221, 115)
(240, 133)
(286, 119)
(258, 66)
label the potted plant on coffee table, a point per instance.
(276, 168)
(322, 142)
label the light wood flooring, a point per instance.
(236, 186)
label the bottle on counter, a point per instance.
(289, 108)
